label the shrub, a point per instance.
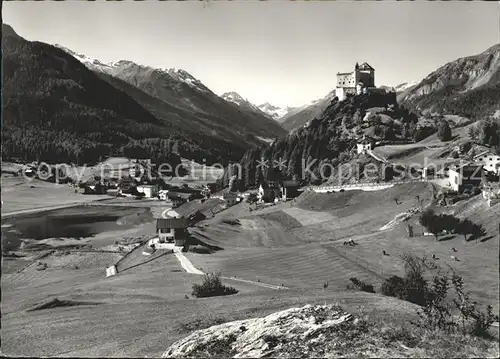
(436, 309)
(360, 285)
(212, 287)
(393, 287)
(423, 132)
(444, 131)
(476, 191)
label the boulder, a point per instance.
(259, 337)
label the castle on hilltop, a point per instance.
(355, 82)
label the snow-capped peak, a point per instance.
(112, 68)
(234, 97)
(274, 112)
(90, 62)
(238, 100)
(187, 78)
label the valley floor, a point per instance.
(296, 246)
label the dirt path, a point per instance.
(186, 263)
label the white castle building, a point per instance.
(355, 82)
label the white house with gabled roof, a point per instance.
(489, 161)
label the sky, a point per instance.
(282, 52)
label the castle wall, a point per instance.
(367, 79)
(343, 92)
(346, 80)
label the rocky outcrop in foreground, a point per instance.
(326, 331)
(258, 337)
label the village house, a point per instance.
(149, 190)
(269, 191)
(289, 189)
(179, 198)
(491, 194)
(230, 198)
(209, 189)
(365, 143)
(127, 185)
(171, 230)
(489, 161)
(162, 194)
(465, 176)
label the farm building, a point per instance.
(196, 217)
(149, 190)
(171, 230)
(179, 198)
(268, 191)
(465, 176)
(289, 189)
(211, 187)
(489, 161)
(98, 188)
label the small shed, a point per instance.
(196, 217)
(365, 143)
(289, 189)
(179, 198)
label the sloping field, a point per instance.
(251, 232)
(354, 212)
(306, 218)
(212, 204)
(143, 309)
(478, 261)
(342, 204)
(428, 151)
(146, 329)
(301, 266)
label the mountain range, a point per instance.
(289, 117)
(180, 89)
(60, 104)
(469, 86)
